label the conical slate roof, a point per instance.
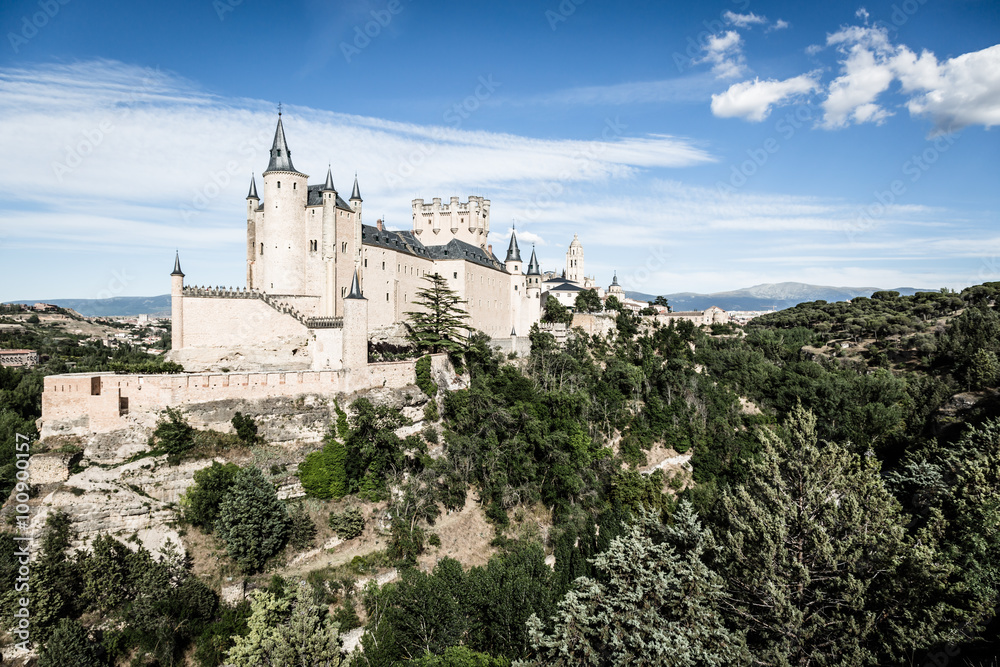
(253, 188)
(329, 181)
(177, 265)
(356, 194)
(281, 157)
(355, 288)
(533, 269)
(513, 252)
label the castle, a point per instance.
(308, 251)
(320, 285)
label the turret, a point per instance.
(253, 201)
(513, 261)
(286, 191)
(177, 305)
(356, 197)
(328, 307)
(356, 331)
(534, 276)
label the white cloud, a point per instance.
(958, 92)
(724, 53)
(753, 100)
(693, 88)
(743, 20)
(780, 24)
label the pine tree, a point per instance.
(70, 645)
(252, 521)
(817, 561)
(660, 605)
(443, 324)
(282, 632)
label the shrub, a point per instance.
(431, 413)
(348, 524)
(246, 429)
(424, 380)
(324, 473)
(70, 645)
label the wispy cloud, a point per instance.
(725, 53)
(753, 100)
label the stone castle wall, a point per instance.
(87, 403)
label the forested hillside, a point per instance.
(843, 507)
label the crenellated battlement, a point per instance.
(273, 300)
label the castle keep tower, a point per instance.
(280, 235)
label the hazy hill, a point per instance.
(119, 306)
(766, 296)
(759, 297)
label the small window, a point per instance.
(366, 263)
(293, 185)
(386, 296)
(343, 246)
(279, 183)
(455, 274)
(383, 266)
(262, 248)
(343, 291)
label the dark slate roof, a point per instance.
(329, 180)
(565, 287)
(316, 198)
(407, 242)
(356, 194)
(177, 265)
(355, 288)
(533, 264)
(253, 188)
(281, 157)
(513, 252)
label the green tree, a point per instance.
(287, 631)
(302, 530)
(71, 645)
(984, 368)
(424, 379)
(442, 324)
(587, 301)
(613, 303)
(655, 603)
(202, 500)
(661, 301)
(459, 656)
(252, 521)
(173, 435)
(554, 312)
(816, 557)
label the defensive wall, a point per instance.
(86, 403)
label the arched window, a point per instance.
(279, 185)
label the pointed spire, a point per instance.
(533, 269)
(513, 252)
(328, 186)
(177, 265)
(253, 188)
(355, 288)
(281, 157)
(356, 194)
(513, 332)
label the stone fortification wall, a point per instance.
(87, 403)
(520, 345)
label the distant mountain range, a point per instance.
(768, 296)
(119, 306)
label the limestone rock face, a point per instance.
(133, 499)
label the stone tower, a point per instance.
(574, 261)
(253, 201)
(355, 328)
(281, 240)
(177, 305)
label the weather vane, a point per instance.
(279, 108)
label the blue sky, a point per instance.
(693, 148)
